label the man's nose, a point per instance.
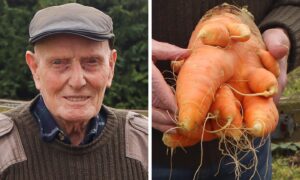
(77, 77)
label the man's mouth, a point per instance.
(76, 98)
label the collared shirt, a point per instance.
(49, 130)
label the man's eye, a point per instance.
(92, 61)
(60, 64)
(57, 61)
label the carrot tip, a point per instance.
(270, 92)
(273, 90)
(257, 129)
(186, 125)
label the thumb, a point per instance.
(166, 51)
(277, 42)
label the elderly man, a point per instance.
(66, 132)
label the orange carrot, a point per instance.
(239, 32)
(227, 48)
(186, 139)
(199, 77)
(178, 140)
(269, 62)
(228, 119)
(261, 115)
(209, 37)
(263, 82)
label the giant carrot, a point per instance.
(227, 48)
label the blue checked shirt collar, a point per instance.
(49, 129)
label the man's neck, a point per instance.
(75, 131)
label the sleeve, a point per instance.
(286, 14)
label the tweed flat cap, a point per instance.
(71, 18)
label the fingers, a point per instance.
(166, 51)
(277, 42)
(162, 120)
(163, 103)
(162, 95)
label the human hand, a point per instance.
(164, 105)
(278, 44)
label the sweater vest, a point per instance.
(119, 152)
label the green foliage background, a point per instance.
(130, 17)
(293, 85)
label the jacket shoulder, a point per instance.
(136, 137)
(136, 134)
(6, 124)
(11, 148)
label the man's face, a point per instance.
(72, 74)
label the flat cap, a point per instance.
(71, 18)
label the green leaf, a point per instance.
(293, 148)
(297, 144)
(284, 145)
(274, 146)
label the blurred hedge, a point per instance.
(130, 17)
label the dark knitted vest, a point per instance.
(104, 158)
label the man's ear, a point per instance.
(112, 62)
(32, 63)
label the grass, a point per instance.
(284, 168)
